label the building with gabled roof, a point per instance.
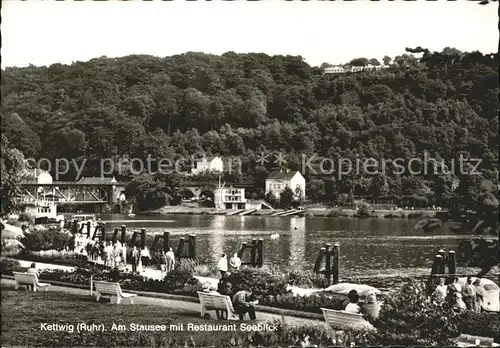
(276, 182)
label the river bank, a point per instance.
(308, 212)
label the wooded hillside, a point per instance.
(245, 104)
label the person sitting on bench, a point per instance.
(32, 270)
(242, 304)
(353, 306)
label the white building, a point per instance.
(230, 198)
(334, 70)
(208, 165)
(278, 181)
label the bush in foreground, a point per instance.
(46, 239)
(261, 281)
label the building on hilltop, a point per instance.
(208, 165)
(276, 182)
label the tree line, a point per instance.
(243, 105)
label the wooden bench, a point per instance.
(344, 320)
(220, 303)
(475, 341)
(29, 279)
(113, 291)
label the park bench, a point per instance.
(220, 303)
(343, 320)
(475, 341)
(113, 290)
(29, 279)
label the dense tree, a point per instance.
(244, 105)
(12, 166)
(286, 197)
(359, 62)
(387, 60)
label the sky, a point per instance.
(47, 32)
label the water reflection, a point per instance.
(216, 237)
(366, 245)
(297, 241)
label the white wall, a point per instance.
(298, 180)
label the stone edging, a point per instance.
(265, 309)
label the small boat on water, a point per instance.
(131, 215)
(45, 212)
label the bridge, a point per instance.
(85, 191)
(102, 190)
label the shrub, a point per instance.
(8, 266)
(46, 239)
(479, 324)
(26, 217)
(261, 281)
(11, 245)
(297, 336)
(181, 281)
(58, 257)
(307, 279)
(411, 318)
(312, 303)
(196, 268)
(364, 210)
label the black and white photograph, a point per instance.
(267, 173)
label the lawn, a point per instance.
(27, 317)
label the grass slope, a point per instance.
(23, 313)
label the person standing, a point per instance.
(479, 295)
(145, 256)
(170, 258)
(135, 259)
(469, 294)
(222, 265)
(117, 256)
(109, 255)
(235, 262)
(440, 292)
(456, 285)
(124, 254)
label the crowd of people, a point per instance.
(469, 296)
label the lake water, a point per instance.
(367, 246)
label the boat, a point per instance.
(131, 215)
(45, 212)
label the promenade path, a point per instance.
(152, 274)
(148, 273)
(184, 306)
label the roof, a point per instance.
(95, 180)
(208, 159)
(282, 176)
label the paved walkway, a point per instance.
(188, 307)
(155, 274)
(148, 272)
